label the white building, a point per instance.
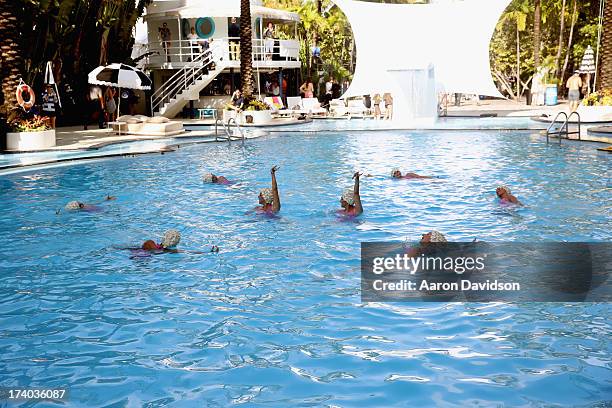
(206, 66)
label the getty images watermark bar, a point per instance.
(486, 272)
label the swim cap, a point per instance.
(437, 237)
(349, 196)
(171, 239)
(208, 178)
(506, 189)
(393, 172)
(73, 205)
(267, 195)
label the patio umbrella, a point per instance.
(588, 65)
(50, 80)
(120, 76)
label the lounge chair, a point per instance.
(294, 103)
(356, 108)
(146, 126)
(337, 108)
(312, 106)
(275, 103)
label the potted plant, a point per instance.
(29, 132)
(256, 113)
(597, 107)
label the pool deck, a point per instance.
(502, 108)
(74, 138)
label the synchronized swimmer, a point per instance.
(269, 198)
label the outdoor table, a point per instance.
(208, 113)
(119, 124)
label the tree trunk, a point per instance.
(604, 78)
(518, 62)
(537, 20)
(560, 46)
(569, 41)
(11, 62)
(246, 51)
(104, 46)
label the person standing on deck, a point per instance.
(269, 41)
(165, 36)
(234, 33)
(95, 100)
(388, 106)
(574, 83)
(50, 104)
(193, 43)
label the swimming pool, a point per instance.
(275, 318)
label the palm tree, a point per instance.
(605, 64)
(560, 46)
(537, 20)
(11, 62)
(246, 51)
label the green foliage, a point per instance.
(520, 15)
(71, 33)
(256, 105)
(330, 32)
(33, 124)
(601, 98)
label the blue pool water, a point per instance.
(275, 318)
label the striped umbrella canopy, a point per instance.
(588, 62)
(120, 76)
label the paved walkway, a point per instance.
(501, 107)
(75, 138)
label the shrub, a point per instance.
(256, 105)
(599, 98)
(23, 122)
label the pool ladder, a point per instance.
(564, 129)
(229, 132)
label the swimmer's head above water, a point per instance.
(171, 239)
(266, 196)
(74, 205)
(210, 178)
(348, 198)
(396, 173)
(502, 191)
(433, 236)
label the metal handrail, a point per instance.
(225, 128)
(181, 51)
(185, 77)
(548, 132)
(579, 123)
(564, 128)
(230, 135)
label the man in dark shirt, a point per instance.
(234, 34)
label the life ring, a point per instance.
(21, 89)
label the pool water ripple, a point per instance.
(275, 318)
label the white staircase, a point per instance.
(186, 84)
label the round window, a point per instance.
(205, 27)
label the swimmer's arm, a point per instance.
(126, 248)
(358, 207)
(276, 204)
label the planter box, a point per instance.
(259, 117)
(25, 141)
(229, 114)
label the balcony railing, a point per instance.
(184, 51)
